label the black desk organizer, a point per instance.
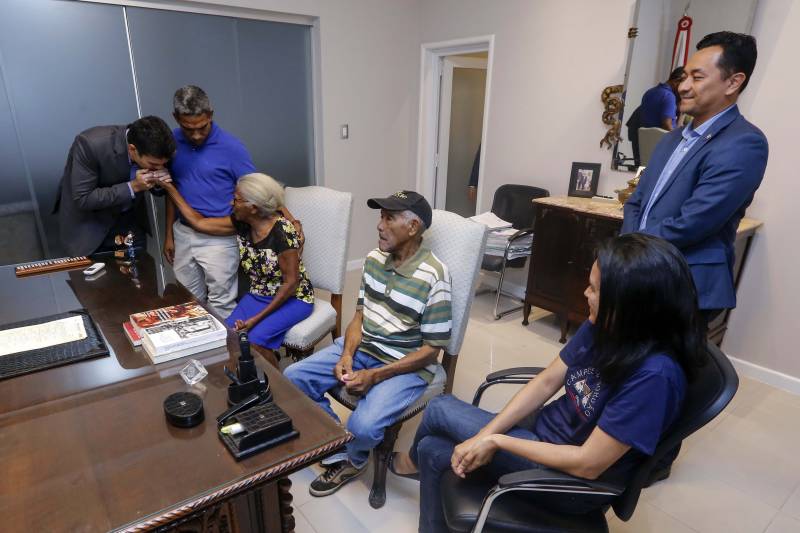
(20, 363)
(249, 394)
(265, 425)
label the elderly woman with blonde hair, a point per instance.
(280, 293)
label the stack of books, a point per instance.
(499, 233)
(175, 331)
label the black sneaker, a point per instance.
(334, 478)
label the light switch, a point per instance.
(344, 131)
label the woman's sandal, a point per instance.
(390, 464)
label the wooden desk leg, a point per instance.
(285, 502)
(526, 311)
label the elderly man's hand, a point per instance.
(360, 381)
(343, 367)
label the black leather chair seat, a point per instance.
(493, 263)
(511, 512)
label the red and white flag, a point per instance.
(680, 51)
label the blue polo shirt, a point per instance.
(206, 175)
(658, 103)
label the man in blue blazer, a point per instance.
(701, 178)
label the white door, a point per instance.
(461, 103)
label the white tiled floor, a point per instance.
(741, 473)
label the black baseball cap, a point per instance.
(405, 201)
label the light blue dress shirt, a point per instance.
(690, 137)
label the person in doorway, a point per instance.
(472, 187)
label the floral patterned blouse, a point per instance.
(259, 261)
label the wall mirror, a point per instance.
(664, 31)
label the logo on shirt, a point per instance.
(583, 388)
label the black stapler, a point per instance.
(246, 382)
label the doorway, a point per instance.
(454, 104)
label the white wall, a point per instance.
(764, 325)
(369, 80)
(551, 62)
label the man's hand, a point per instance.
(360, 381)
(473, 453)
(144, 180)
(169, 248)
(343, 367)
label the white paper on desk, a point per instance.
(490, 220)
(41, 335)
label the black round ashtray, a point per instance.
(184, 409)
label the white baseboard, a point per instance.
(771, 377)
(355, 264)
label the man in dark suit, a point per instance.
(701, 178)
(107, 170)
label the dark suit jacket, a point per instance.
(94, 189)
(701, 205)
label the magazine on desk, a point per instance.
(178, 331)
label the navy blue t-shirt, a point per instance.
(206, 175)
(658, 103)
(635, 412)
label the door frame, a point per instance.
(445, 107)
(431, 72)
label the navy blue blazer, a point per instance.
(700, 207)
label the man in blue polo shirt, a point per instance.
(206, 166)
(659, 107)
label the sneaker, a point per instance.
(334, 478)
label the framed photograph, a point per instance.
(583, 179)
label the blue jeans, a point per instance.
(378, 409)
(447, 422)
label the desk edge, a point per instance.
(164, 518)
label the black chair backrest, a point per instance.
(514, 203)
(707, 395)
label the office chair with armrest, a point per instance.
(505, 505)
(325, 215)
(458, 243)
(512, 203)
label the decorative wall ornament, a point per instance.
(613, 105)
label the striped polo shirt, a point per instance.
(404, 306)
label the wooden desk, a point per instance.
(86, 447)
(568, 230)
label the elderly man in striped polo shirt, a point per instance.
(389, 350)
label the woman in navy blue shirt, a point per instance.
(624, 376)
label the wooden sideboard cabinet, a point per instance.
(568, 231)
